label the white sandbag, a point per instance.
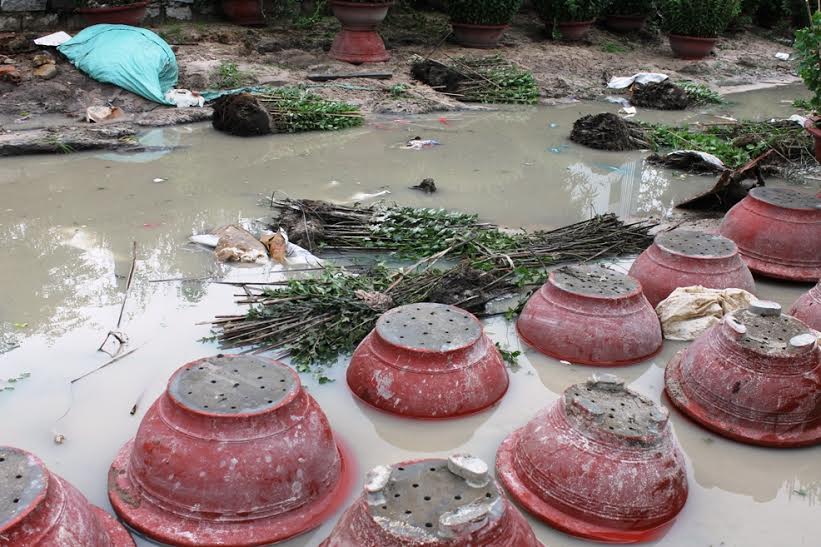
(689, 311)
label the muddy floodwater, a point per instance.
(66, 229)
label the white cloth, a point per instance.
(689, 311)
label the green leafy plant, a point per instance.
(228, 76)
(807, 44)
(565, 11)
(698, 18)
(629, 7)
(294, 110)
(398, 90)
(700, 93)
(483, 12)
(613, 47)
(508, 356)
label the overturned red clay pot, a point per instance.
(778, 233)
(753, 378)
(683, 258)
(811, 125)
(248, 13)
(478, 36)
(358, 41)
(625, 23)
(808, 308)
(591, 315)
(573, 31)
(234, 453)
(432, 503)
(428, 361)
(40, 509)
(132, 14)
(601, 463)
(691, 48)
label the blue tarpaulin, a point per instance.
(133, 58)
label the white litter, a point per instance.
(617, 100)
(361, 196)
(158, 179)
(99, 114)
(799, 119)
(623, 82)
(689, 311)
(628, 111)
(705, 157)
(207, 240)
(184, 98)
(782, 56)
(417, 143)
(54, 39)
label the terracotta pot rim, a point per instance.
(362, 4)
(575, 23)
(636, 16)
(113, 9)
(478, 26)
(704, 39)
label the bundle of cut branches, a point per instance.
(490, 79)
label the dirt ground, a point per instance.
(283, 55)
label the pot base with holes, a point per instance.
(427, 361)
(40, 509)
(234, 453)
(684, 258)
(435, 503)
(591, 315)
(778, 233)
(808, 308)
(752, 378)
(601, 463)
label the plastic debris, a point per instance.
(692, 161)
(418, 143)
(623, 82)
(628, 111)
(617, 100)
(238, 245)
(54, 39)
(782, 56)
(98, 114)
(690, 311)
(361, 196)
(184, 98)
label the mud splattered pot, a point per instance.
(234, 453)
(683, 258)
(38, 508)
(601, 463)
(428, 361)
(778, 233)
(435, 503)
(754, 378)
(591, 315)
(808, 308)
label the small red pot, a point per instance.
(591, 315)
(691, 47)
(808, 308)
(625, 23)
(573, 31)
(248, 13)
(131, 14)
(478, 36)
(358, 41)
(428, 361)
(234, 453)
(432, 503)
(810, 126)
(40, 509)
(753, 378)
(683, 258)
(601, 463)
(778, 233)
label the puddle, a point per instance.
(67, 225)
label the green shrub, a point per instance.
(807, 44)
(629, 7)
(561, 11)
(483, 12)
(699, 18)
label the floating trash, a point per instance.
(428, 361)
(685, 258)
(807, 308)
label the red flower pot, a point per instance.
(432, 503)
(808, 308)
(778, 233)
(573, 31)
(691, 47)
(625, 23)
(591, 315)
(812, 129)
(358, 42)
(131, 14)
(244, 12)
(427, 361)
(600, 463)
(478, 36)
(40, 509)
(234, 453)
(683, 258)
(753, 377)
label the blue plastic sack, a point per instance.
(133, 58)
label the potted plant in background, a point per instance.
(807, 44)
(248, 13)
(358, 41)
(627, 15)
(117, 12)
(572, 18)
(480, 23)
(694, 25)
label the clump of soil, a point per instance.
(241, 115)
(662, 96)
(467, 287)
(303, 228)
(608, 132)
(437, 75)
